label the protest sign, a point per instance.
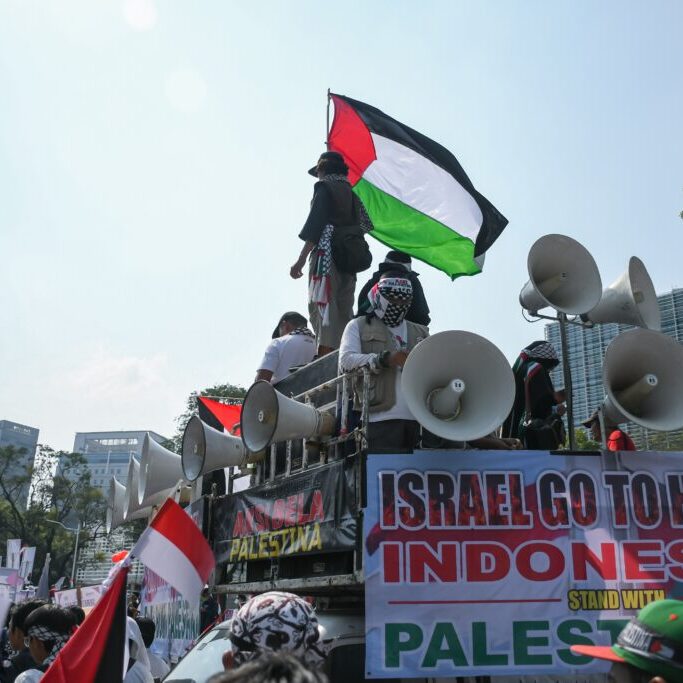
(493, 563)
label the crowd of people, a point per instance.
(391, 317)
(36, 632)
(275, 637)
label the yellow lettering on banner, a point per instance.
(301, 540)
(262, 541)
(316, 540)
(234, 548)
(277, 543)
(252, 553)
(637, 599)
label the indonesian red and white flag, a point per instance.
(175, 549)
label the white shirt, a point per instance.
(351, 357)
(286, 352)
(29, 676)
(157, 665)
(138, 674)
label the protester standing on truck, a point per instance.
(536, 411)
(330, 289)
(398, 261)
(382, 340)
(293, 345)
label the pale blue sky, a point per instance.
(153, 162)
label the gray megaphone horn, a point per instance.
(629, 300)
(562, 275)
(458, 385)
(131, 503)
(160, 470)
(643, 378)
(269, 417)
(205, 449)
(116, 498)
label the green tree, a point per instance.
(60, 492)
(664, 441)
(217, 391)
(584, 442)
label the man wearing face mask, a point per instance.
(382, 340)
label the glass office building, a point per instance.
(587, 349)
(25, 440)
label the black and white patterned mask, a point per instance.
(390, 299)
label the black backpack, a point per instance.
(350, 251)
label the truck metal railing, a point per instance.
(296, 455)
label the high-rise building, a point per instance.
(22, 438)
(586, 352)
(108, 453)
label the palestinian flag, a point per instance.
(96, 652)
(418, 196)
(219, 415)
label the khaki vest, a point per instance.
(375, 338)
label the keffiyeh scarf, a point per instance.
(319, 284)
(400, 290)
(276, 621)
(46, 634)
(303, 330)
(538, 351)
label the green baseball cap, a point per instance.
(652, 641)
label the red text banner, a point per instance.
(480, 563)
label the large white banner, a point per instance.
(66, 598)
(85, 597)
(494, 563)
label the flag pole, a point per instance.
(566, 372)
(327, 126)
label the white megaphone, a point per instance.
(562, 275)
(205, 449)
(116, 499)
(643, 378)
(131, 503)
(160, 469)
(269, 417)
(630, 300)
(458, 385)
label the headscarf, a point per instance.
(138, 651)
(400, 291)
(44, 633)
(541, 351)
(276, 621)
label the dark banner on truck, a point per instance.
(310, 512)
